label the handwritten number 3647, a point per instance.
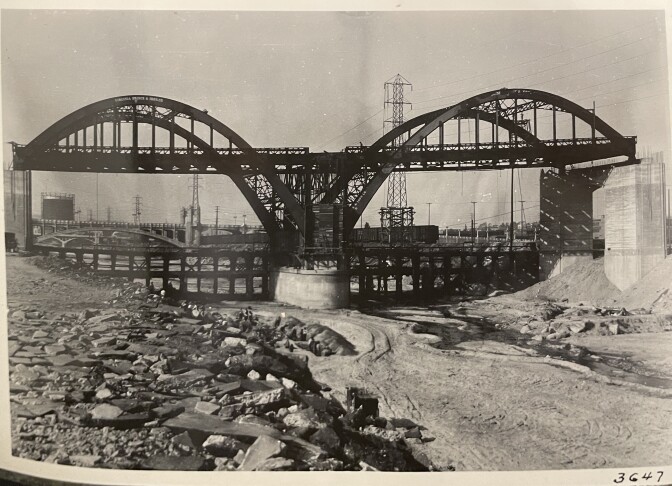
(633, 477)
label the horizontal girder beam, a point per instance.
(465, 156)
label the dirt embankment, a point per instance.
(588, 283)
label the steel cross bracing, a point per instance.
(170, 137)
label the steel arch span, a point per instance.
(148, 134)
(90, 140)
(512, 110)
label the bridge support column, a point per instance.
(311, 289)
(566, 222)
(17, 210)
(634, 221)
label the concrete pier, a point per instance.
(566, 222)
(634, 221)
(310, 289)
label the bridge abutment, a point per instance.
(566, 222)
(634, 221)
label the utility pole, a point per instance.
(522, 220)
(109, 214)
(429, 213)
(473, 222)
(511, 222)
(137, 212)
(216, 218)
(244, 226)
(97, 216)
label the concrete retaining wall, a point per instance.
(310, 289)
(634, 222)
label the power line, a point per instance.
(349, 130)
(492, 217)
(480, 75)
(499, 83)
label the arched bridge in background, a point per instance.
(106, 236)
(502, 129)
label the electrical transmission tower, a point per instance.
(194, 191)
(195, 204)
(137, 212)
(396, 217)
(194, 223)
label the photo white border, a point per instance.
(588, 477)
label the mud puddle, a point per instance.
(464, 328)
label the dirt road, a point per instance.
(495, 406)
(490, 405)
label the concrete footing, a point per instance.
(310, 289)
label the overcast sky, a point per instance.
(316, 80)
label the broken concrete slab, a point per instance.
(54, 349)
(104, 341)
(265, 401)
(40, 335)
(37, 409)
(126, 421)
(209, 425)
(276, 464)
(167, 411)
(261, 450)
(308, 418)
(85, 460)
(223, 446)
(207, 408)
(186, 379)
(105, 411)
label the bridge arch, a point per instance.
(500, 107)
(158, 112)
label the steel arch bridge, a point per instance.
(148, 134)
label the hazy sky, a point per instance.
(316, 80)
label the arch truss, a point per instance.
(506, 128)
(148, 134)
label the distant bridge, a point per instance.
(173, 234)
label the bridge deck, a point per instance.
(175, 160)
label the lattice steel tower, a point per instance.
(396, 213)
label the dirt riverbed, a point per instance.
(493, 398)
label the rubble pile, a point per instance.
(124, 291)
(156, 386)
(591, 320)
